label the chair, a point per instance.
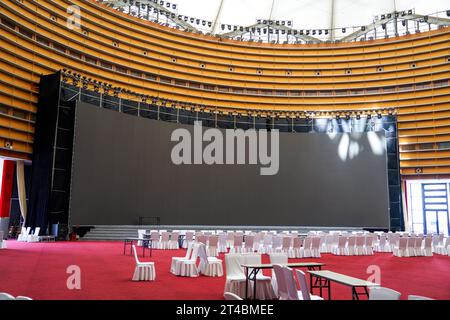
(277, 258)
(418, 251)
(359, 246)
(235, 276)
(6, 296)
(173, 266)
(144, 271)
(230, 239)
(23, 298)
(202, 238)
(209, 266)
(315, 247)
(173, 243)
(340, 250)
(286, 244)
(350, 250)
(305, 294)
(141, 233)
(414, 297)
(164, 243)
(154, 236)
(249, 241)
(277, 243)
(35, 236)
(267, 244)
(381, 293)
(381, 244)
(292, 292)
(188, 268)
(212, 246)
(2, 242)
(189, 238)
(368, 245)
(443, 249)
(222, 243)
(237, 244)
(400, 250)
(231, 296)
(23, 236)
(282, 290)
(264, 289)
(294, 252)
(305, 251)
(410, 247)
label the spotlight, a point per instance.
(358, 116)
(347, 116)
(379, 115)
(343, 30)
(410, 12)
(448, 13)
(425, 18)
(369, 116)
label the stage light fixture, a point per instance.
(448, 13)
(410, 11)
(343, 30)
(379, 115)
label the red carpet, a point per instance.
(38, 270)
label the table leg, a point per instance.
(143, 249)
(320, 286)
(329, 290)
(246, 283)
(124, 246)
(254, 283)
(366, 292)
(311, 283)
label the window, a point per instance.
(91, 60)
(42, 40)
(9, 23)
(26, 33)
(59, 47)
(106, 65)
(121, 70)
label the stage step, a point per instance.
(120, 232)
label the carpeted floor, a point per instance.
(38, 270)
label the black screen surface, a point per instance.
(122, 169)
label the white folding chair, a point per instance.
(294, 252)
(359, 246)
(292, 292)
(212, 246)
(235, 276)
(222, 244)
(231, 296)
(264, 289)
(23, 298)
(188, 239)
(35, 236)
(368, 245)
(381, 293)
(2, 241)
(6, 296)
(154, 236)
(427, 250)
(23, 236)
(315, 247)
(165, 238)
(277, 258)
(305, 294)
(237, 244)
(410, 247)
(209, 266)
(418, 251)
(350, 250)
(305, 251)
(443, 249)
(188, 268)
(414, 297)
(286, 244)
(249, 241)
(173, 266)
(144, 271)
(267, 244)
(282, 290)
(141, 233)
(173, 243)
(340, 250)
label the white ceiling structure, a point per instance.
(317, 20)
(305, 14)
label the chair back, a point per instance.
(351, 241)
(402, 243)
(238, 240)
(233, 264)
(223, 239)
(135, 254)
(230, 235)
(154, 235)
(381, 293)
(297, 242)
(252, 258)
(165, 236)
(231, 296)
(195, 251)
(27, 231)
(189, 236)
(410, 242)
(303, 284)
(277, 241)
(281, 282)
(201, 239)
(278, 258)
(249, 240)
(267, 240)
(315, 244)
(23, 298)
(287, 241)
(369, 241)
(342, 241)
(360, 241)
(174, 236)
(418, 242)
(441, 238)
(428, 243)
(213, 241)
(382, 240)
(290, 283)
(189, 251)
(307, 243)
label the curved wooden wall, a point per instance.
(409, 73)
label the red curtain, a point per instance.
(7, 185)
